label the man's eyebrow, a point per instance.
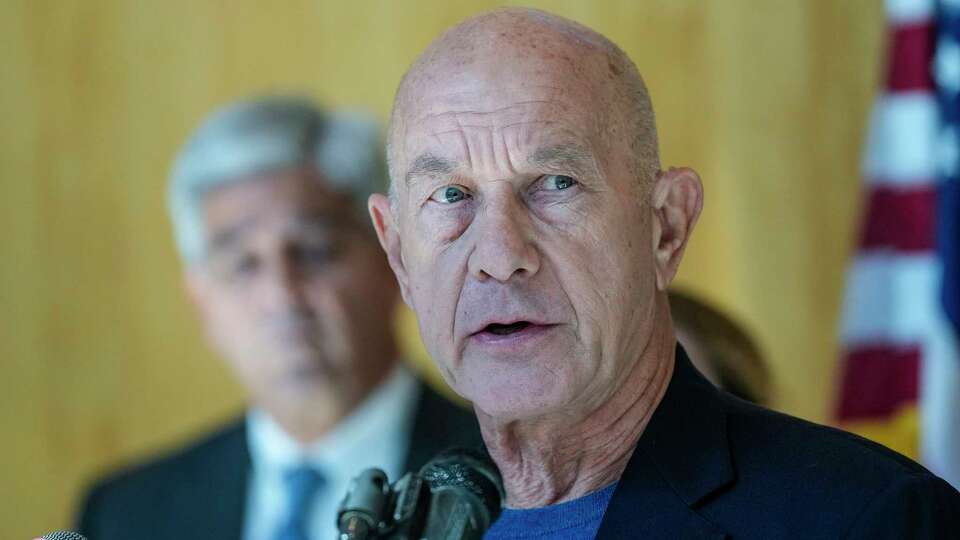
(564, 157)
(430, 165)
(231, 235)
(325, 222)
(317, 221)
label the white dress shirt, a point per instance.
(375, 434)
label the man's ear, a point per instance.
(389, 235)
(677, 201)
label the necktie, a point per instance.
(302, 483)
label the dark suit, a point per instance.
(712, 466)
(199, 492)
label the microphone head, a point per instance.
(363, 508)
(467, 470)
(63, 535)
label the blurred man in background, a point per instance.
(267, 201)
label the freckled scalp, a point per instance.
(513, 34)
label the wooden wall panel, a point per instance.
(101, 358)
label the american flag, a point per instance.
(900, 380)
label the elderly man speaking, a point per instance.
(533, 231)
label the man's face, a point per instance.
(293, 290)
(525, 239)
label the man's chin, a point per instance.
(304, 367)
(499, 414)
(307, 383)
(528, 387)
(504, 404)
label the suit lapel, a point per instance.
(682, 458)
(234, 475)
(644, 505)
(212, 508)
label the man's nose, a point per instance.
(503, 246)
(284, 286)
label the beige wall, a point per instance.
(101, 359)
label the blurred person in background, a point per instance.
(720, 348)
(267, 201)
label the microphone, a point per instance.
(466, 495)
(456, 496)
(361, 512)
(62, 535)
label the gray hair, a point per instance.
(269, 133)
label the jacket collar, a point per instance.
(682, 458)
(211, 489)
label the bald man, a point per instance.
(534, 232)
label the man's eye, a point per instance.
(317, 255)
(235, 267)
(449, 194)
(556, 182)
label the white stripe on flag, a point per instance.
(909, 11)
(940, 405)
(890, 298)
(902, 140)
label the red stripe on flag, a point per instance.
(903, 219)
(911, 48)
(877, 380)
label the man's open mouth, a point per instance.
(506, 329)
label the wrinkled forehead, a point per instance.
(521, 99)
(518, 120)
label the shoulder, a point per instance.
(187, 460)
(818, 474)
(718, 463)
(783, 445)
(142, 486)
(793, 444)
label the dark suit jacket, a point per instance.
(712, 466)
(199, 492)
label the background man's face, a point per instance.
(526, 243)
(293, 291)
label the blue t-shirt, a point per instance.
(578, 519)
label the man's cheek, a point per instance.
(436, 324)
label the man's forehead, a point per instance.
(464, 95)
(274, 201)
(445, 125)
(521, 101)
(298, 186)
(228, 234)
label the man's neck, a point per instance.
(548, 461)
(308, 418)
(307, 424)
